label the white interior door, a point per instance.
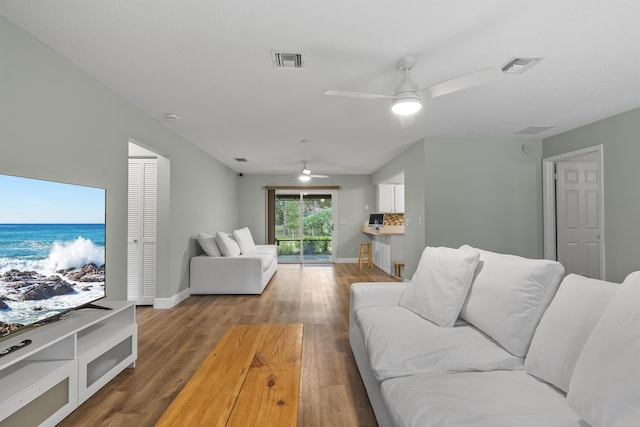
(578, 217)
(141, 256)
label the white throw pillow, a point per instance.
(440, 284)
(227, 245)
(508, 297)
(208, 244)
(605, 386)
(565, 327)
(245, 240)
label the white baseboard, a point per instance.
(165, 303)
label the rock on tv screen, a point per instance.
(52, 250)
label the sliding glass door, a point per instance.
(304, 226)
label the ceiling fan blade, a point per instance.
(350, 94)
(319, 176)
(463, 82)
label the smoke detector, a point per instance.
(287, 59)
(172, 117)
(519, 65)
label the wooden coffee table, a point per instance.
(251, 378)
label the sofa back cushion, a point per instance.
(245, 240)
(208, 244)
(440, 284)
(508, 296)
(227, 245)
(565, 327)
(605, 385)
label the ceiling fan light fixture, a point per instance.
(306, 171)
(406, 104)
(304, 178)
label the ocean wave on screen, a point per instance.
(7, 264)
(75, 254)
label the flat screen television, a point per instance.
(52, 250)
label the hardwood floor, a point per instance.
(172, 344)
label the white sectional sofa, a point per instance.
(232, 264)
(498, 340)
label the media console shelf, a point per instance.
(66, 362)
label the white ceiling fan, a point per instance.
(407, 98)
(306, 175)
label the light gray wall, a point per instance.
(620, 138)
(486, 193)
(411, 163)
(58, 123)
(355, 192)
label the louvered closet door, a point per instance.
(143, 194)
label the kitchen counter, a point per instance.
(387, 230)
(387, 245)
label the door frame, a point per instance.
(163, 208)
(334, 219)
(549, 201)
(139, 241)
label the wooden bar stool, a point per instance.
(365, 255)
(397, 267)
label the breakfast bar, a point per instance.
(387, 245)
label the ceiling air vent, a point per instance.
(532, 130)
(519, 65)
(240, 160)
(287, 60)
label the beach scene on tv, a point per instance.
(52, 249)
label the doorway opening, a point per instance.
(573, 211)
(304, 225)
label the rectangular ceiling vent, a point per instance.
(241, 160)
(519, 65)
(532, 130)
(287, 60)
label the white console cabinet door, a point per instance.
(65, 363)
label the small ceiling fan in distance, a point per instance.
(407, 97)
(306, 175)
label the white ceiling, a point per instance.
(209, 62)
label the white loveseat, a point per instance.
(524, 350)
(232, 264)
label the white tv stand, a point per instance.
(67, 362)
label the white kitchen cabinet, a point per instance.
(390, 198)
(398, 198)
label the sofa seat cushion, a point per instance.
(476, 399)
(268, 254)
(399, 343)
